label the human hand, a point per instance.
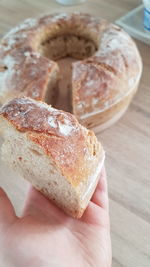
(44, 236)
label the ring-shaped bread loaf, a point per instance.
(104, 79)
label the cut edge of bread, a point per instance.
(29, 160)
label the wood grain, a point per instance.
(127, 143)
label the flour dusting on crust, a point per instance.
(98, 81)
(27, 114)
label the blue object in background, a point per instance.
(146, 15)
(146, 19)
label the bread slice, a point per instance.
(50, 149)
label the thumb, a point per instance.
(7, 212)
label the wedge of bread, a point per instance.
(50, 149)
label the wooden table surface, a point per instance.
(127, 143)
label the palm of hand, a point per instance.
(45, 236)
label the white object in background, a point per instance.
(70, 2)
(132, 22)
(146, 14)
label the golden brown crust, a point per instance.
(107, 77)
(23, 71)
(97, 82)
(72, 148)
(97, 87)
(25, 74)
